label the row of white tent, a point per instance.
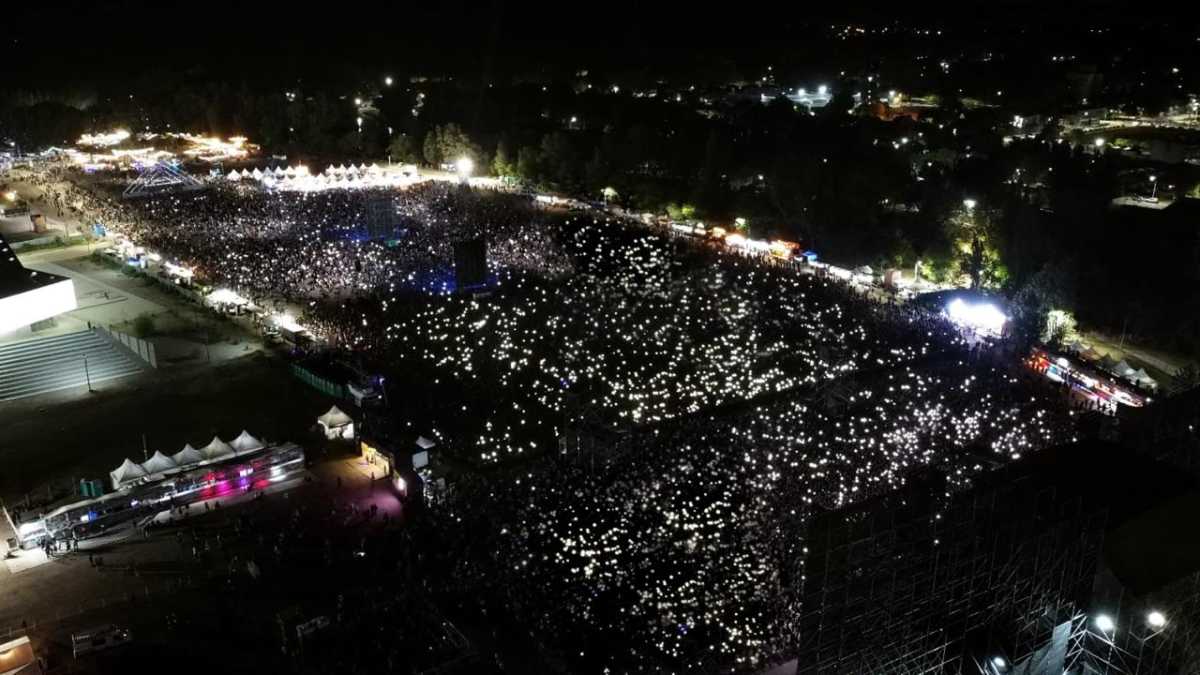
(1137, 375)
(160, 465)
(279, 173)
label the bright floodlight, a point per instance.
(999, 662)
(1105, 623)
(822, 89)
(388, 80)
(1153, 178)
(1156, 619)
(983, 316)
(465, 166)
(969, 203)
(1099, 142)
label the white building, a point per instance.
(27, 296)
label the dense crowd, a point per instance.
(727, 401)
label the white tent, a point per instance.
(1143, 378)
(1123, 369)
(257, 174)
(234, 175)
(424, 443)
(159, 463)
(187, 456)
(245, 442)
(334, 418)
(375, 168)
(279, 171)
(126, 473)
(217, 449)
(291, 172)
(336, 424)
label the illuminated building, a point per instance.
(28, 297)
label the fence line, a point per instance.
(143, 350)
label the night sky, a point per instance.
(64, 43)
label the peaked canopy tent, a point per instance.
(245, 443)
(188, 455)
(1143, 378)
(336, 424)
(127, 473)
(159, 463)
(1123, 369)
(216, 449)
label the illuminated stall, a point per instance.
(141, 494)
(376, 453)
(1087, 381)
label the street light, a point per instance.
(1154, 187)
(1099, 144)
(1156, 620)
(465, 166)
(388, 80)
(970, 204)
(1105, 623)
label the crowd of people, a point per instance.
(733, 400)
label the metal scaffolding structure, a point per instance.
(160, 178)
(924, 582)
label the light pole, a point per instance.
(465, 166)
(87, 374)
(1153, 187)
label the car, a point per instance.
(98, 639)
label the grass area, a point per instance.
(57, 242)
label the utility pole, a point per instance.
(145, 450)
(87, 374)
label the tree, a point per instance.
(454, 143)
(558, 159)
(432, 148)
(502, 164)
(681, 211)
(529, 163)
(403, 149)
(597, 170)
(974, 235)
